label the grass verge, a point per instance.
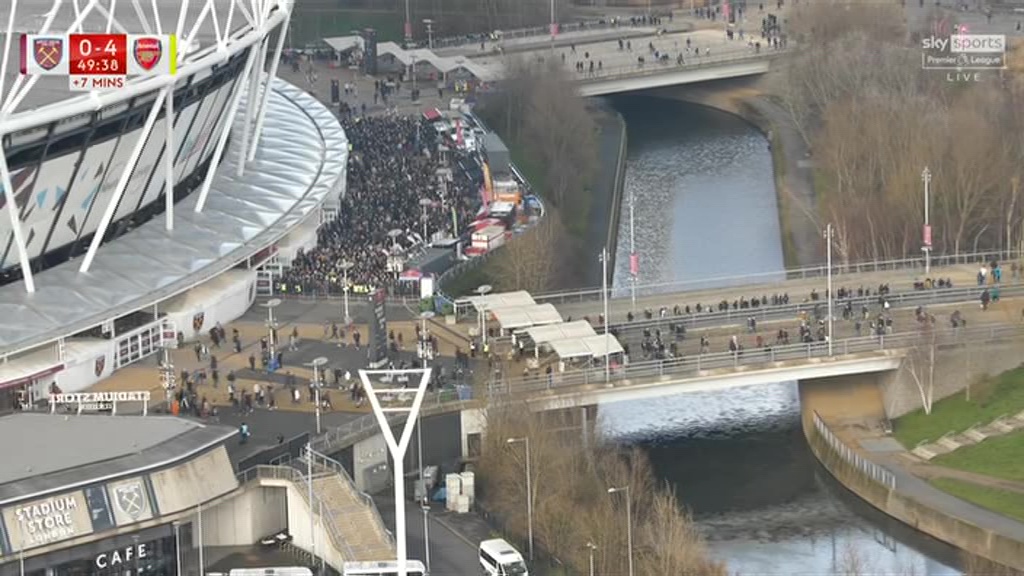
(1002, 502)
(999, 457)
(994, 397)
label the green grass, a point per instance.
(1002, 502)
(1002, 394)
(999, 457)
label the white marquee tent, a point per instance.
(597, 346)
(519, 317)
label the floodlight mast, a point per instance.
(397, 448)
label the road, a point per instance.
(451, 554)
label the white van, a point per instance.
(499, 558)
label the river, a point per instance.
(705, 207)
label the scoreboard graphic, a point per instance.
(98, 61)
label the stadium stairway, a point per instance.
(354, 515)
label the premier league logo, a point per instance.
(130, 499)
(148, 52)
(48, 52)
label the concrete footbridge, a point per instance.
(602, 61)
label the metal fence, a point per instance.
(874, 471)
(684, 367)
(897, 300)
(293, 475)
(766, 278)
(690, 62)
(328, 463)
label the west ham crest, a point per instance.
(197, 321)
(48, 52)
(148, 52)
(130, 499)
(101, 363)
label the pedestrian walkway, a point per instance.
(911, 481)
(746, 287)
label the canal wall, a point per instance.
(857, 401)
(606, 194)
(956, 367)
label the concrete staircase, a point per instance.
(355, 517)
(355, 521)
(952, 441)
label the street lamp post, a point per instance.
(177, 545)
(430, 32)
(604, 297)
(529, 492)
(590, 548)
(345, 265)
(272, 325)
(926, 176)
(482, 312)
(316, 364)
(426, 532)
(629, 524)
(634, 263)
(408, 23)
(553, 25)
(828, 262)
(424, 204)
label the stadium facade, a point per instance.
(134, 218)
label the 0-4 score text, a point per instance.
(98, 54)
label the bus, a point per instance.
(383, 568)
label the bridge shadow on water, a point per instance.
(738, 460)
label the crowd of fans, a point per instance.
(393, 165)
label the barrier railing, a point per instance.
(767, 278)
(896, 300)
(687, 366)
(324, 461)
(315, 506)
(365, 426)
(877, 473)
(690, 62)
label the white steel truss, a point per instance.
(397, 448)
(202, 19)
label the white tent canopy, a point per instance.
(596, 346)
(345, 43)
(501, 300)
(563, 331)
(517, 317)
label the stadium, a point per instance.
(122, 232)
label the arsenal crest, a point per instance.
(48, 52)
(101, 363)
(197, 321)
(148, 52)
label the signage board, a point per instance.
(47, 520)
(378, 343)
(121, 556)
(97, 401)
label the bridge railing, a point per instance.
(693, 365)
(876, 472)
(716, 318)
(690, 62)
(768, 278)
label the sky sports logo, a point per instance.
(964, 52)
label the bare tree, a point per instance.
(531, 260)
(920, 365)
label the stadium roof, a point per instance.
(287, 181)
(32, 14)
(54, 451)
